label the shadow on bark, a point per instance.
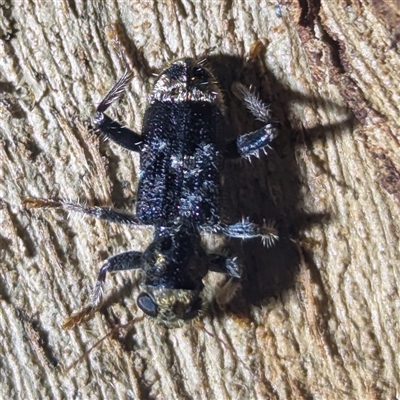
(267, 188)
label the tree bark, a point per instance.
(318, 313)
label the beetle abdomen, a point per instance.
(179, 164)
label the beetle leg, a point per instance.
(103, 213)
(245, 230)
(225, 265)
(250, 144)
(120, 262)
(112, 130)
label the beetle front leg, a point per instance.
(121, 262)
(225, 265)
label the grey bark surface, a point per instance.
(323, 325)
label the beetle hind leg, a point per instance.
(110, 129)
(252, 143)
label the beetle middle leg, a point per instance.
(245, 230)
(103, 213)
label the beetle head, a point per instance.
(169, 306)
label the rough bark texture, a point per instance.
(324, 325)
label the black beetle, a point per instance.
(179, 187)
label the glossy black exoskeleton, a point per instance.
(179, 187)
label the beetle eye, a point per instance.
(192, 311)
(200, 73)
(147, 304)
